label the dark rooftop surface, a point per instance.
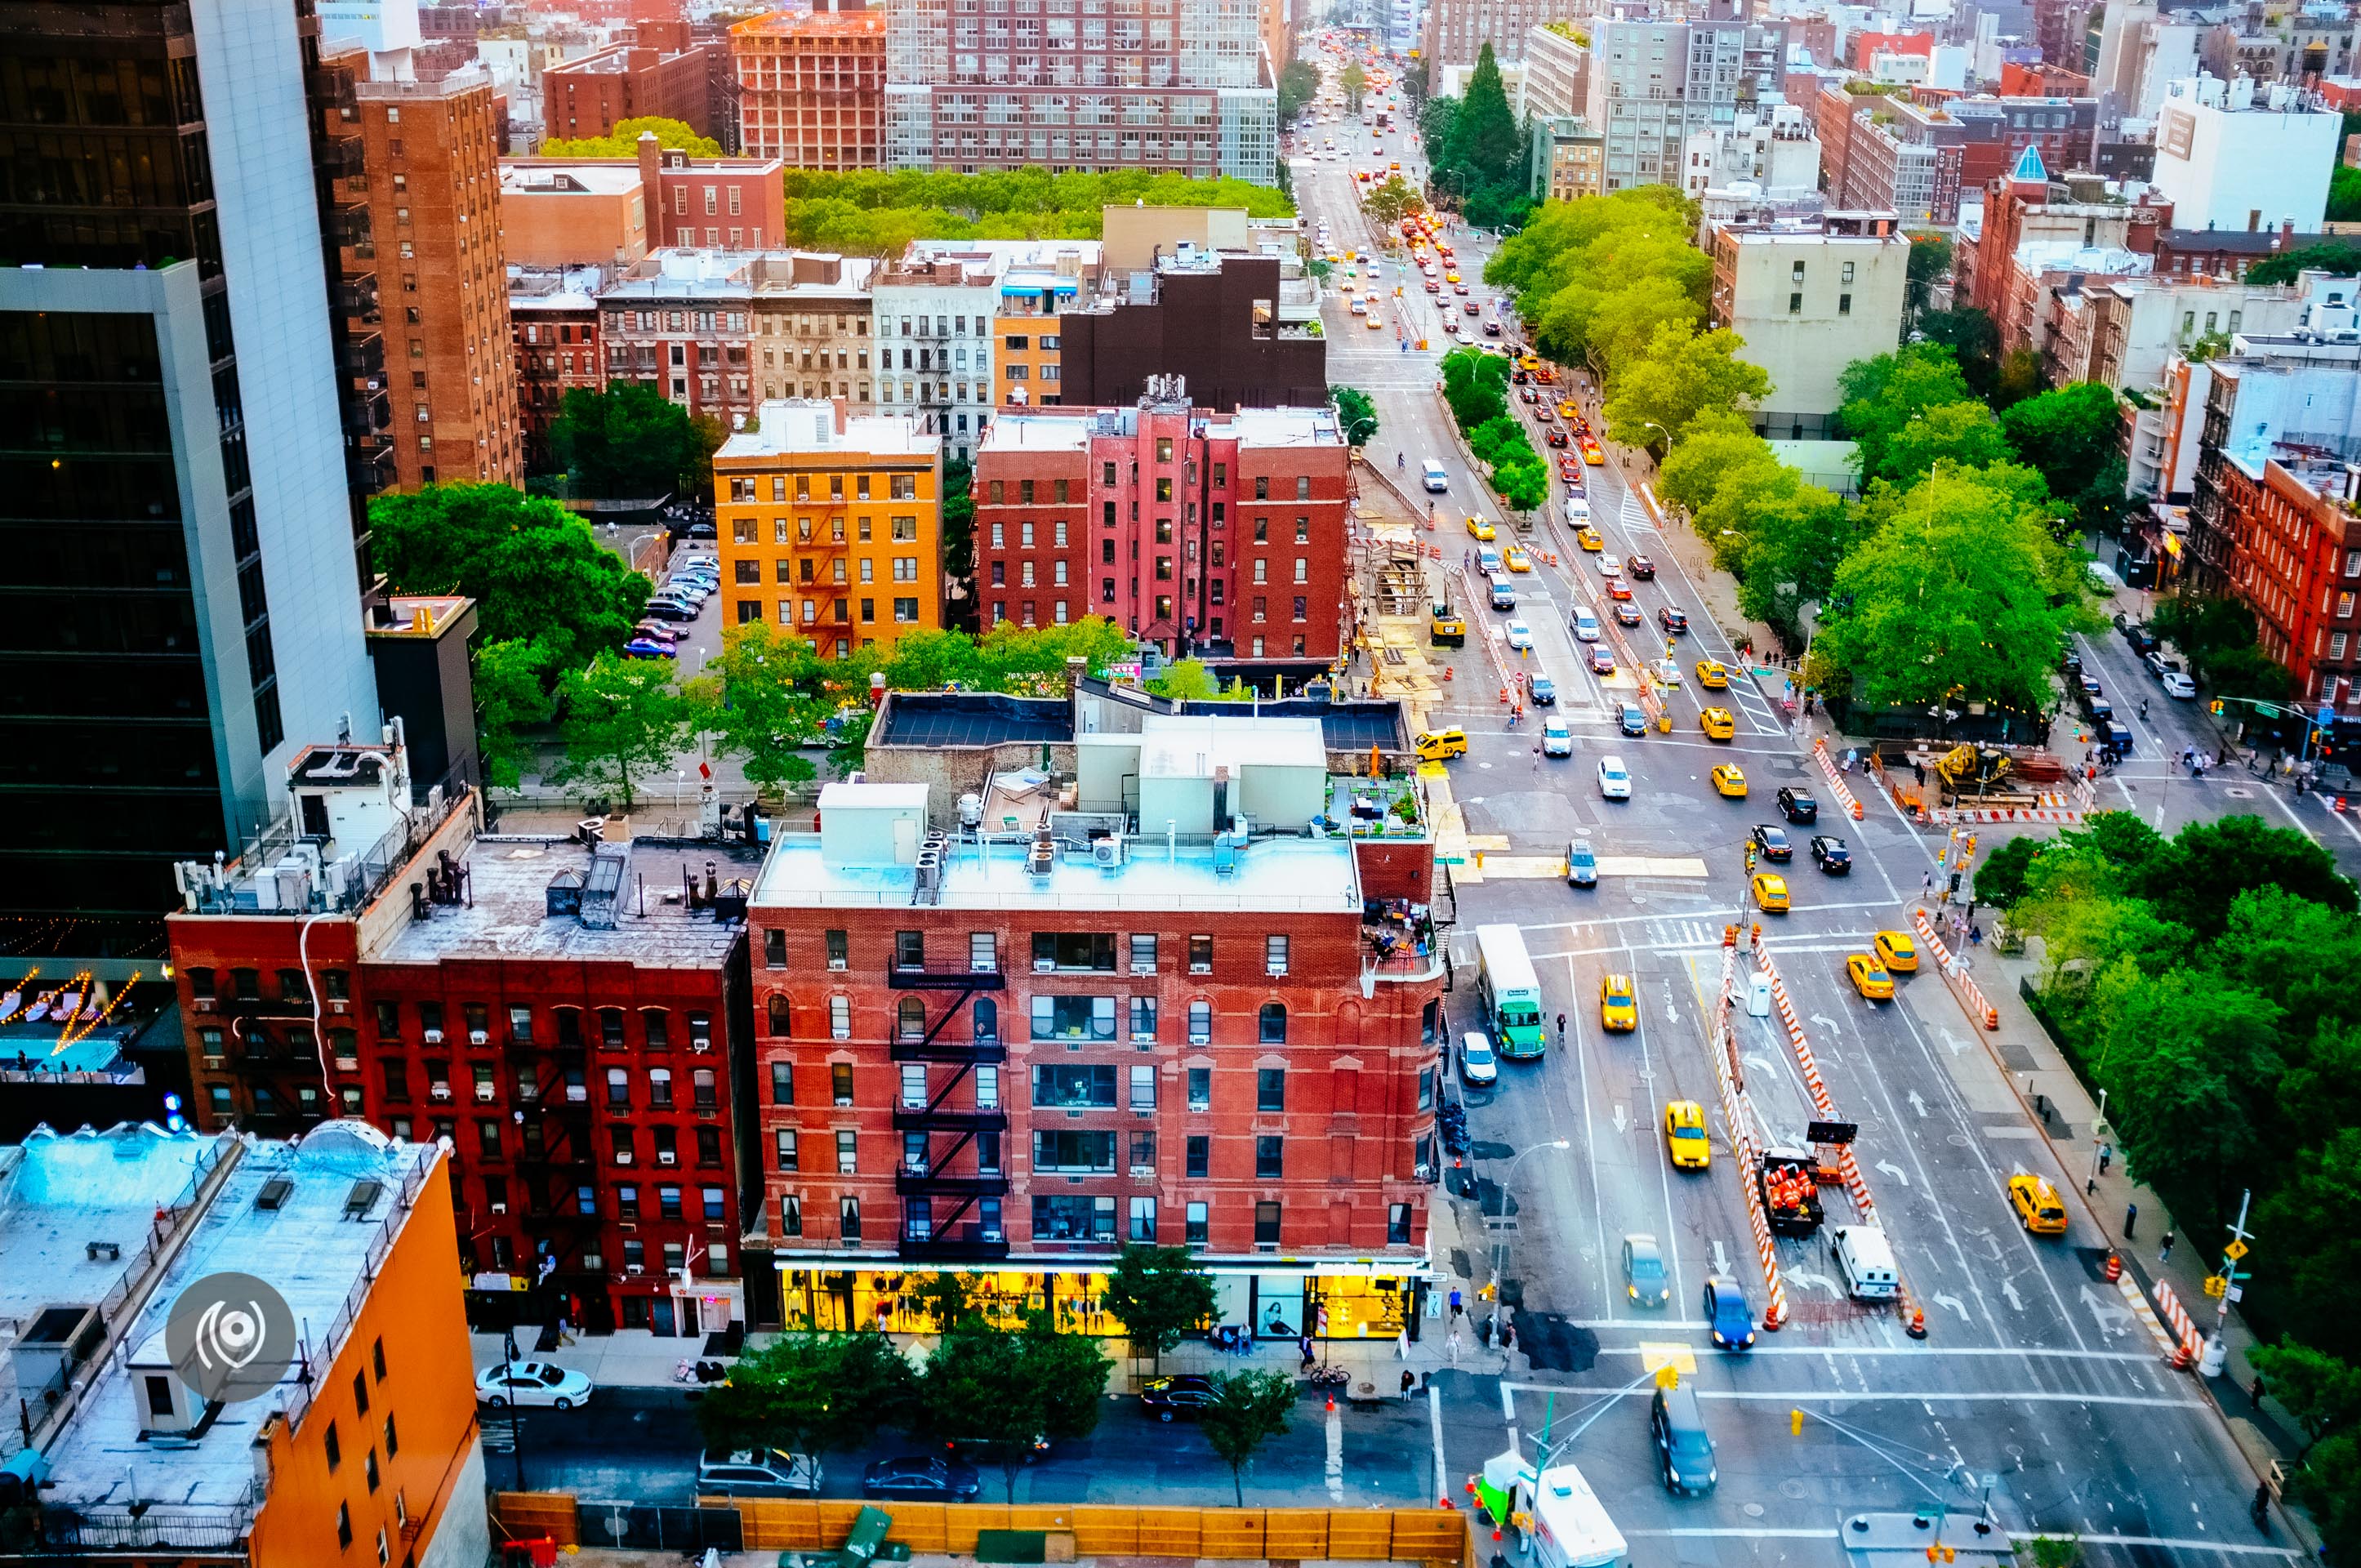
(972, 718)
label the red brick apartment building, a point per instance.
(1218, 536)
(811, 87)
(559, 1010)
(554, 331)
(2295, 560)
(1152, 1018)
(592, 95)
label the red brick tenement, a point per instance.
(1022, 1050)
(1220, 537)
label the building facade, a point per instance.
(191, 586)
(811, 87)
(1655, 80)
(431, 152)
(1809, 300)
(934, 311)
(681, 321)
(1569, 160)
(591, 96)
(553, 332)
(2229, 159)
(1556, 80)
(812, 324)
(1027, 1073)
(831, 525)
(1219, 537)
(1225, 324)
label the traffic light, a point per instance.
(2213, 707)
(2216, 1285)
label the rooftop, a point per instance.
(584, 177)
(794, 427)
(337, 1200)
(655, 903)
(936, 721)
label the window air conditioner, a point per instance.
(634, 1269)
(666, 1156)
(477, 1037)
(205, 1003)
(439, 1092)
(500, 1208)
(433, 1036)
(1200, 969)
(1044, 966)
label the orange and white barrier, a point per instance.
(1963, 984)
(1914, 1316)
(1741, 1142)
(1836, 778)
(2190, 1344)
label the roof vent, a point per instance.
(362, 1198)
(273, 1196)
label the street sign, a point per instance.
(2327, 715)
(2234, 1251)
(1832, 1132)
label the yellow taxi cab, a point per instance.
(1515, 558)
(1771, 891)
(1375, 321)
(1589, 539)
(1395, 165)
(1712, 673)
(1451, 276)
(1869, 978)
(1568, 410)
(1435, 745)
(1481, 527)
(1685, 1136)
(1619, 1003)
(2036, 1203)
(1897, 951)
(1717, 724)
(1730, 779)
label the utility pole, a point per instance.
(2217, 1350)
(2097, 1121)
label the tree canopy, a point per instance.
(813, 1393)
(1008, 1391)
(630, 442)
(1595, 280)
(673, 136)
(1356, 413)
(880, 212)
(1682, 375)
(1482, 155)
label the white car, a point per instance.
(533, 1383)
(1519, 635)
(1585, 626)
(1557, 741)
(1668, 671)
(2177, 684)
(1609, 567)
(1614, 779)
(1476, 1063)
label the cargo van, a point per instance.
(1433, 475)
(1585, 624)
(1577, 511)
(1504, 593)
(1866, 1262)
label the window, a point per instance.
(344, 1524)
(1398, 1214)
(660, 1088)
(785, 1138)
(392, 1438)
(1200, 1154)
(841, 1081)
(1844, 304)
(1073, 1087)
(848, 1219)
(657, 1024)
(910, 1018)
(1085, 950)
(1270, 1158)
(836, 949)
(1271, 1088)
(783, 1083)
(1142, 1220)
(778, 1015)
(330, 1443)
(1275, 955)
(1143, 1087)
(1072, 1017)
(1272, 1029)
(848, 1161)
(1196, 1224)
(983, 952)
(1143, 1018)
(1074, 1151)
(1073, 1217)
(775, 948)
(1795, 304)
(1201, 949)
(1201, 1023)
(1265, 1224)
(840, 1017)
(619, 1088)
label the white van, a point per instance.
(1504, 593)
(1586, 625)
(1577, 511)
(1435, 479)
(1866, 1262)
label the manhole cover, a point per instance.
(1791, 1487)
(1638, 898)
(2240, 793)
(1753, 1510)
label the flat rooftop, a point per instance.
(796, 427)
(60, 1191)
(1038, 432)
(506, 912)
(348, 1194)
(949, 719)
(1293, 874)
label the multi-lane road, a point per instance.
(2036, 1385)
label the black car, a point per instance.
(1829, 853)
(920, 1477)
(1639, 566)
(1172, 1399)
(1771, 841)
(2142, 639)
(1671, 620)
(1544, 691)
(669, 610)
(1631, 721)
(1797, 804)
(1683, 1448)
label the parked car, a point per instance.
(533, 1383)
(2177, 685)
(756, 1473)
(921, 1477)
(2143, 642)
(1478, 1065)
(650, 648)
(670, 610)
(1172, 1399)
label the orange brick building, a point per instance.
(432, 153)
(812, 88)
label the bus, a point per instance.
(1511, 991)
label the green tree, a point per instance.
(1158, 1294)
(1299, 84)
(629, 441)
(2322, 1392)
(534, 569)
(2309, 1209)
(2188, 1058)
(512, 696)
(1971, 336)
(928, 661)
(2329, 1487)
(1709, 451)
(2334, 257)
(1392, 200)
(1355, 413)
(1960, 591)
(1248, 1410)
(1485, 153)
(2070, 434)
(1006, 1390)
(1013, 659)
(1682, 375)
(1436, 117)
(1964, 434)
(1353, 78)
(623, 720)
(768, 688)
(1186, 680)
(958, 522)
(1521, 487)
(815, 1394)
(1595, 279)
(2000, 877)
(2019, 378)
(1930, 258)
(673, 136)
(2213, 863)
(1883, 396)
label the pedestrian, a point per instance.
(2106, 1158)
(1927, 883)
(1304, 1345)
(1561, 1031)
(1409, 1382)
(1508, 1334)
(2261, 1507)
(2255, 1394)
(1453, 1344)
(1484, 1329)
(2131, 1218)
(1919, 770)
(1975, 934)
(1456, 1305)
(2164, 1249)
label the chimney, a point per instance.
(2285, 239)
(650, 184)
(842, 414)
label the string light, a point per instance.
(68, 1037)
(17, 991)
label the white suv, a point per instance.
(1614, 781)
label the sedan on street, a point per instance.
(533, 1383)
(921, 1478)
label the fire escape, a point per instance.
(555, 1161)
(278, 1068)
(948, 1135)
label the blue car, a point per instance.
(1545, 692)
(649, 648)
(1728, 1317)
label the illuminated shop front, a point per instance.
(1340, 1298)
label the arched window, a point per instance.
(1274, 1023)
(779, 1014)
(912, 1013)
(987, 1018)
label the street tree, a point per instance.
(2068, 433)
(1248, 1410)
(1930, 258)
(1483, 159)
(1355, 413)
(768, 699)
(2001, 875)
(1973, 338)
(1299, 84)
(1006, 1390)
(1963, 433)
(624, 719)
(512, 695)
(958, 520)
(1713, 446)
(2189, 1059)
(1158, 1294)
(1032, 662)
(1881, 394)
(1392, 200)
(623, 141)
(1682, 375)
(534, 568)
(2214, 862)
(1185, 680)
(2321, 1391)
(810, 1393)
(630, 442)
(1353, 80)
(928, 660)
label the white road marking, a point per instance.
(1893, 1170)
(1434, 1424)
(1335, 1453)
(1904, 1396)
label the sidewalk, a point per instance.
(2038, 1072)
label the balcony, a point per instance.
(917, 976)
(921, 1183)
(991, 1050)
(362, 357)
(354, 296)
(927, 1118)
(966, 1242)
(367, 413)
(369, 470)
(348, 223)
(343, 157)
